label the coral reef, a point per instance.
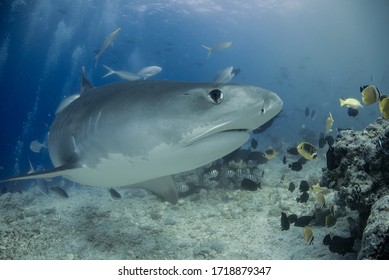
(358, 169)
(375, 240)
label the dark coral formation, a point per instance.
(360, 172)
(375, 241)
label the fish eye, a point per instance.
(216, 96)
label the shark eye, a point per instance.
(216, 96)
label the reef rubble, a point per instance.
(358, 170)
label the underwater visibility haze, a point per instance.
(318, 57)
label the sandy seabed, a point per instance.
(211, 224)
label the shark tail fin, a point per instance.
(209, 49)
(110, 71)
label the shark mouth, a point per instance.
(224, 127)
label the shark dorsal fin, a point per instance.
(85, 84)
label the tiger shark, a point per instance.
(141, 133)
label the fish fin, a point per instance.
(97, 58)
(164, 187)
(209, 49)
(110, 71)
(379, 93)
(32, 169)
(341, 102)
(58, 171)
(43, 187)
(85, 84)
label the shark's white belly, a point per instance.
(122, 170)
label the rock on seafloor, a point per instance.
(359, 172)
(375, 239)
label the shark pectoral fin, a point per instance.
(62, 170)
(164, 187)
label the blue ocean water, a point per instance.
(309, 52)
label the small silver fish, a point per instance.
(192, 178)
(241, 173)
(36, 146)
(182, 188)
(125, 75)
(257, 172)
(230, 173)
(149, 71)
(218, 47)
(237, 164)
(107, 42)
(225, 75)
(212, 174)
(210, 183)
